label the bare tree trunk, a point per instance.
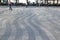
(39, 2)
(27, 2)
(5, 1)
(16, 1)
(47, 2)
(36, 2)
(53, 1)
(57, 1)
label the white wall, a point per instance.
(23, 1)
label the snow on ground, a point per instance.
(38, 23)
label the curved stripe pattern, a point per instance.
(40, 23)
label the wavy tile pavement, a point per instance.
(38, 23)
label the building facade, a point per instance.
(39, 1)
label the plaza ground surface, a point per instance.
(32, 23)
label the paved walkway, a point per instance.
(41, 23)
